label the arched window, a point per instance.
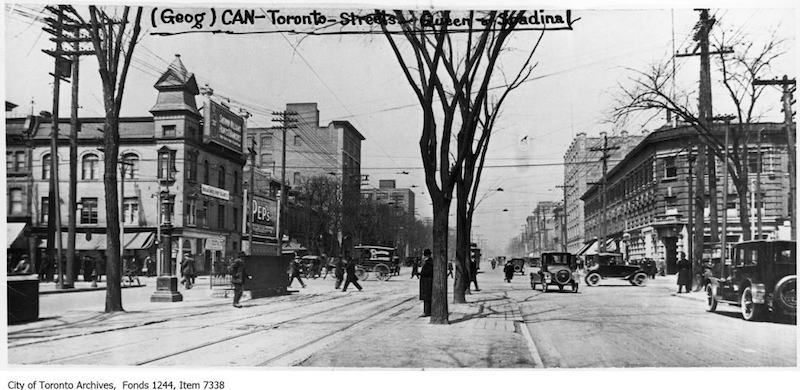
(46, 166)
(221, 179)
(206, 173)
(131, 161)
(90, 167)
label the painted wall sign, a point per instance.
(215, 192)
(223, 127)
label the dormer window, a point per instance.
(166, 164)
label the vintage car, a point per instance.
(611, 265)
(760, 276)
(557, 268)
(519, 265)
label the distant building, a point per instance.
(387, 193)
(648, 199)
(583, 166)
(541, 229)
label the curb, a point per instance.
(526, 333)
(84, 289)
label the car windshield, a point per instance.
(562, 259)
(785, 253)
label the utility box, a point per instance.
(23, 298)
(269, 275)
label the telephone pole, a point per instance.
(789, 87)
(603, 183)
(724, 235)
(564, 217)
(287, 121)
(703, 28)
(251, 188)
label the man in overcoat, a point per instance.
(350, 269)
(684, 273)
(426, 283)
(238, 276)
(339, 272)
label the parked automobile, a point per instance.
(611, 265)
(760, 276)
(557, 268)
(519, 265)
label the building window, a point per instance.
(169, 131)
(265, 159)
(90, 167)
(235, 219)
(670, 170)
(206, 172)
(47, 163)
(15, 201)
(202, 215)
(297, 178)
(754, 162)
(131, 167)
(266, 141)
(191, 212)
(19, 162)
(166, 164)
(221, 216)
(9, 161)
(88, 209)
(191, 166)
(45, 210)
(236, 182)
(298, 141)
(221, 178)
(130, 211)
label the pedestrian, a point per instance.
(707, 274)
(315, 267)
(23, 266)
(426, 283)
(238, 273)
(188, 271)
(652, 268)
(87, 264)
(339, 272)
(350, 269)
(327, 265)
(414, 269)
(296, 267)
(151, 266)
(494, 263)
(473, 273)
(508, 269)
(450, 269)
(684, 274)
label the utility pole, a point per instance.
(564, 217)
(286, 120)
(788, 86)
(690, 159)
(57, 28)
(703, 29)
(603, 183)
(724, 236)
(758, 184)
(251, 191)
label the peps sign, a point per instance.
(222, 126)
(264, 212)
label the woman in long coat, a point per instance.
(684, 274)
(426, 283)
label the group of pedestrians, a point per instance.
(344, 271)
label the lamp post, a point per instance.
(166, 283)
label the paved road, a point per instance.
(619, 325)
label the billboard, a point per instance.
(264, 212)
(222, 126)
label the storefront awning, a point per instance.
(97, 242)
(14, 229)
(590, 246)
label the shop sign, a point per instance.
(215, 192)
(222, 126)
(264, 211)
(215, 244)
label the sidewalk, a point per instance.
(670, 283)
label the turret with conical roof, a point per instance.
(176, 90)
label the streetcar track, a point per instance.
(129, 344)
(338, 331)
(243, 334)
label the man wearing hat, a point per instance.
(188, 271)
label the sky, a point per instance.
(357, 78)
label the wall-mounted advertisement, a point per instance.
(265, 212)
(222, 126)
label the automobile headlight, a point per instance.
(547, 277)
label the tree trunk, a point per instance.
(744, 208)
(461, 271)
(113, 263)
(439, 309)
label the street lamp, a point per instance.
(166, 283)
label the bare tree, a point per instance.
(114, 39)
(450, 73)
(651, 91)
(322, 196)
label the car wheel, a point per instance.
(574, 287)
(751, 311)
(711, 300)
(593, 279)
(639, 279)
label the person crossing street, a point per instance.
(350, 268)
(238, 276)
(296, 266)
